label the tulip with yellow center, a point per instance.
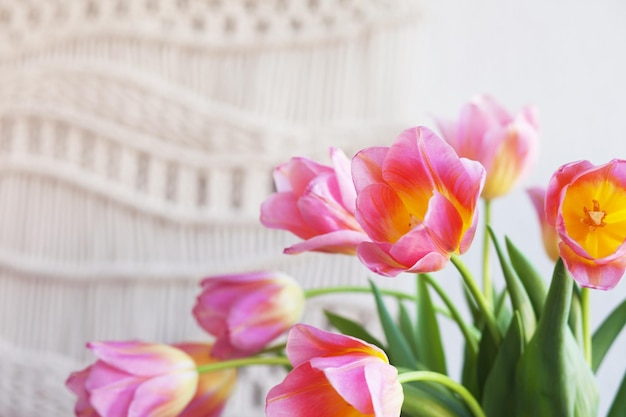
(587, 206)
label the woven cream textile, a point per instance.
(137, 140)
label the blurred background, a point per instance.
(137, 139)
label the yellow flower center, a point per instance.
(595, 217)
(594, 212)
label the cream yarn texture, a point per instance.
(137, 139)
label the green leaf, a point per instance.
(429, 344)
(408, 329)
(529, 277)
(398, 347)
(519, 297)
(575, 319)
(351, 328)
(471, 305)
(553, 378)
(469, 372)
(618, 408)
(503, 312)
(487, 352)
(606, 334)
(423, 399)
(499, 391)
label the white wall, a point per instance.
(566, 57)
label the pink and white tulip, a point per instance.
(245, 312)
(335, 376)
(586, 204)
(316, 203)
(134, 379)
(506, 145)
(416, 201)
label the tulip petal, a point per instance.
(382, 214)
(280, 211)
(321, 209)
(295, 175)
(252, 323)
(459, 179)
(418, 252)
(76, 384)
(477, 118)
(592, 274)
(367, 167)
(515, 150)
(212, 308)
(165, 395)
(427, 246)
(340, 241)
(468, 237)
(140, 358)
(548, 233)
(111, 391)
(213, 388)
(406, 170)
(448, 131)
(444, 223)
(306, 342)
(561, 178)
(341, 163)
(346, 375)
(386, 393)
(529, 114)
(305, 392)
(378, 260)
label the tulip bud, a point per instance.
(247, 311)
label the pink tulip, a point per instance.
(316, 203)
(247, 311)
(548, 234)
(416, 201)
(335, 376)
(134, 379)
(587, 206)
(504, 144)
(214, 388)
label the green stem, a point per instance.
(447, 382)
(316, 292)
(487, 285)
(238, 363)
(470, 337)
(481, 302)
(584, 304)
(273, 349)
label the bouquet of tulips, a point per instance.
(407, 208)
